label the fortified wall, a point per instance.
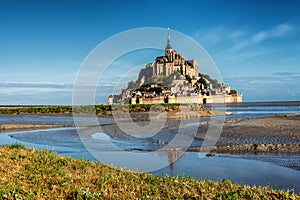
(189, 100)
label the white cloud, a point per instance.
(277, 31)
(236, 34)
(259, 37)
(29, 84)
(233, 43)
(33, 88)
(286, 74)
(280, 86)
(280, 30)
(47, 92)
(218, 34)
(242, 55)
(212, 36)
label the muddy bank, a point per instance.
(24, 127)
(192, 111)
(255, 148)
(274, 148)
(171, 115)
(279, 133)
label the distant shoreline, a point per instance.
(193, 110)
(258, 103)
(274, 103)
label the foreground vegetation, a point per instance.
(34, 174)
(97, 109)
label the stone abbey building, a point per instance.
(173, 79)
(169, 63)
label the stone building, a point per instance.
(187, 85)
(171, 62)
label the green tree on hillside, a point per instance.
(132, 85)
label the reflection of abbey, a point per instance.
(172, 79)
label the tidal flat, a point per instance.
(263, 137)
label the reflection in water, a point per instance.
(173, 156)
(238, 170)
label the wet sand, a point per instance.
(276, 134)
(26, 127)
(273, 139)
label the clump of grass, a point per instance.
(35, 174)
(37, 110)
(15, 146)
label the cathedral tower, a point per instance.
(169, 49)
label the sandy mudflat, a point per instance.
(170, 115)
(24, 127)
(278, 134)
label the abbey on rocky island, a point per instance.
(172, 79)
(171, 62)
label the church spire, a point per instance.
(169, 47)
(169, 36)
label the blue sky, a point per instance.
(255, 44)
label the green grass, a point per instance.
(89, 109)
(37, 110)
(15, 146)
(34, 174)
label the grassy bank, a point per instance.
(35, 174)
(95, 109)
